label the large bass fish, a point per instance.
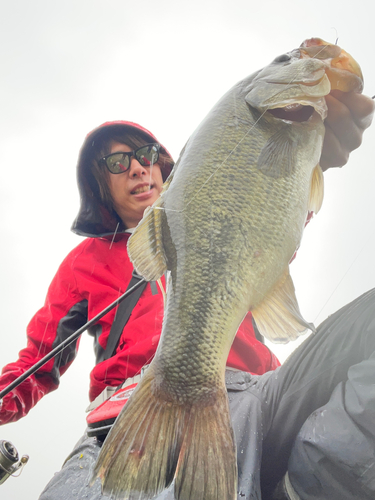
(227, 223)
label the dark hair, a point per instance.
(101, 147)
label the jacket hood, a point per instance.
(94, 219)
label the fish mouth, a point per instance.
(293, 112)
(343, 71)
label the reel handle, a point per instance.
(9, 460)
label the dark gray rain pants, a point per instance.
(315, 416)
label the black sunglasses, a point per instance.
(117, 163)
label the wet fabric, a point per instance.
(268, 412)
(310, 376)
(343, 466)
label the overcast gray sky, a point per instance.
(68, 66)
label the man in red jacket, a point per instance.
(121, 169)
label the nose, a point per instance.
(136, 169)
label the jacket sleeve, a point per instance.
(64, 311)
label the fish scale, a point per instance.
(226, 225)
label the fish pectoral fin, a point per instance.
(278, 316)
(145, 245)
(154, 440)
(316, 190)
(277, 158)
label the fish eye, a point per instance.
(282, 58)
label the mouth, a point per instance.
(293, 113)
(142, 189)
(342, 69)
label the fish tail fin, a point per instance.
(140, 454)
(152, 439)
(207, 467)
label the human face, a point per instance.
(134, 190)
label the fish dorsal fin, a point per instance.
(316, 190)
(277, 158)
(145, 246)
(278, 316)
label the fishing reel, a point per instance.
(9, 460)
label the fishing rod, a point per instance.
(9, 458)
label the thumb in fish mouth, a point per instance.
(337, 61)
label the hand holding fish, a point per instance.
(349, 115)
